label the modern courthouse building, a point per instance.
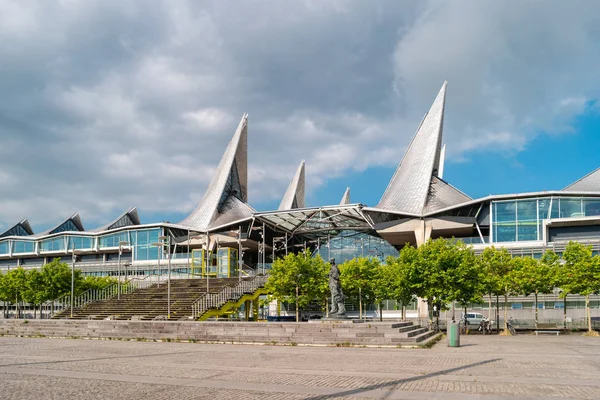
(225, 234)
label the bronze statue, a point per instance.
(337, 296)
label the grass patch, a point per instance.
(344, 344)
(592, 334)
(432, 342)
(140, 339)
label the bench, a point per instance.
(548, 328)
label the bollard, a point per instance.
(453, 332)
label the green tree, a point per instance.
(4, 294)
(532, 276)
(57, 279)
(402, 277)
(298, 278)
(15, 286)
(496, 265)
(358, 278)
(580, 274)
(35, 289)
(93, 282)
(448, 272)
(467, 278)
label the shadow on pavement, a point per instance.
(93, 359)
(381, 386)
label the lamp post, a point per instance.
(207, 262)
(240, 255)
(73, 260)
(121, 244)
(161, 244)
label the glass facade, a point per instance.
(4, 247)
(113, 239)
(142, 242)
(351, 244)
(81, 242)
(54, 244)
(521, 220)
(23, 246)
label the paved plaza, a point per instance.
(486, 367)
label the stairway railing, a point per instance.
(229, 293)
(92, 295)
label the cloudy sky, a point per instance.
(108, 104)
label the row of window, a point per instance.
(140, 240)
(521, 220)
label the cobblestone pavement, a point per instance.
(486, 367)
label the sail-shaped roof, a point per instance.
(294, 195)
(21, 228)
(408, 188)
(230, 181)
(589, 183)
(345, 197)
(128, 218)
(71, 224)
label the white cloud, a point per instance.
(105, 105)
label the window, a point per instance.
(4, 247)
(114, 239)
(527, 220)
(54, 244)
(570, 208)
(517, 306)
(82, 242)
(22, 246)
(505, 221)
(142, 241)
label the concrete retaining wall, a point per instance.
(320, 333)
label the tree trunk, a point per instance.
(588, 314)
(490, 308)
(380, 311)
(403, 313)
(565, 312)
(536, 310)
(505, 312)
(360, 304)
(297, 314)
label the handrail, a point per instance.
(92, 295)
(228, 293)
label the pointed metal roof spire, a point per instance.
(408, 188)
(440, 167)
(230, 182)
(294, 195)
(589, 183)
(345, 197)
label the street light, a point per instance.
(121, 244)
(161, 244)
(73, 260)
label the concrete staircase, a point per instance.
(151, 303)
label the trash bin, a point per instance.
(453, 334)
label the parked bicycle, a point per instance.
(485, 326)
(510, 328)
